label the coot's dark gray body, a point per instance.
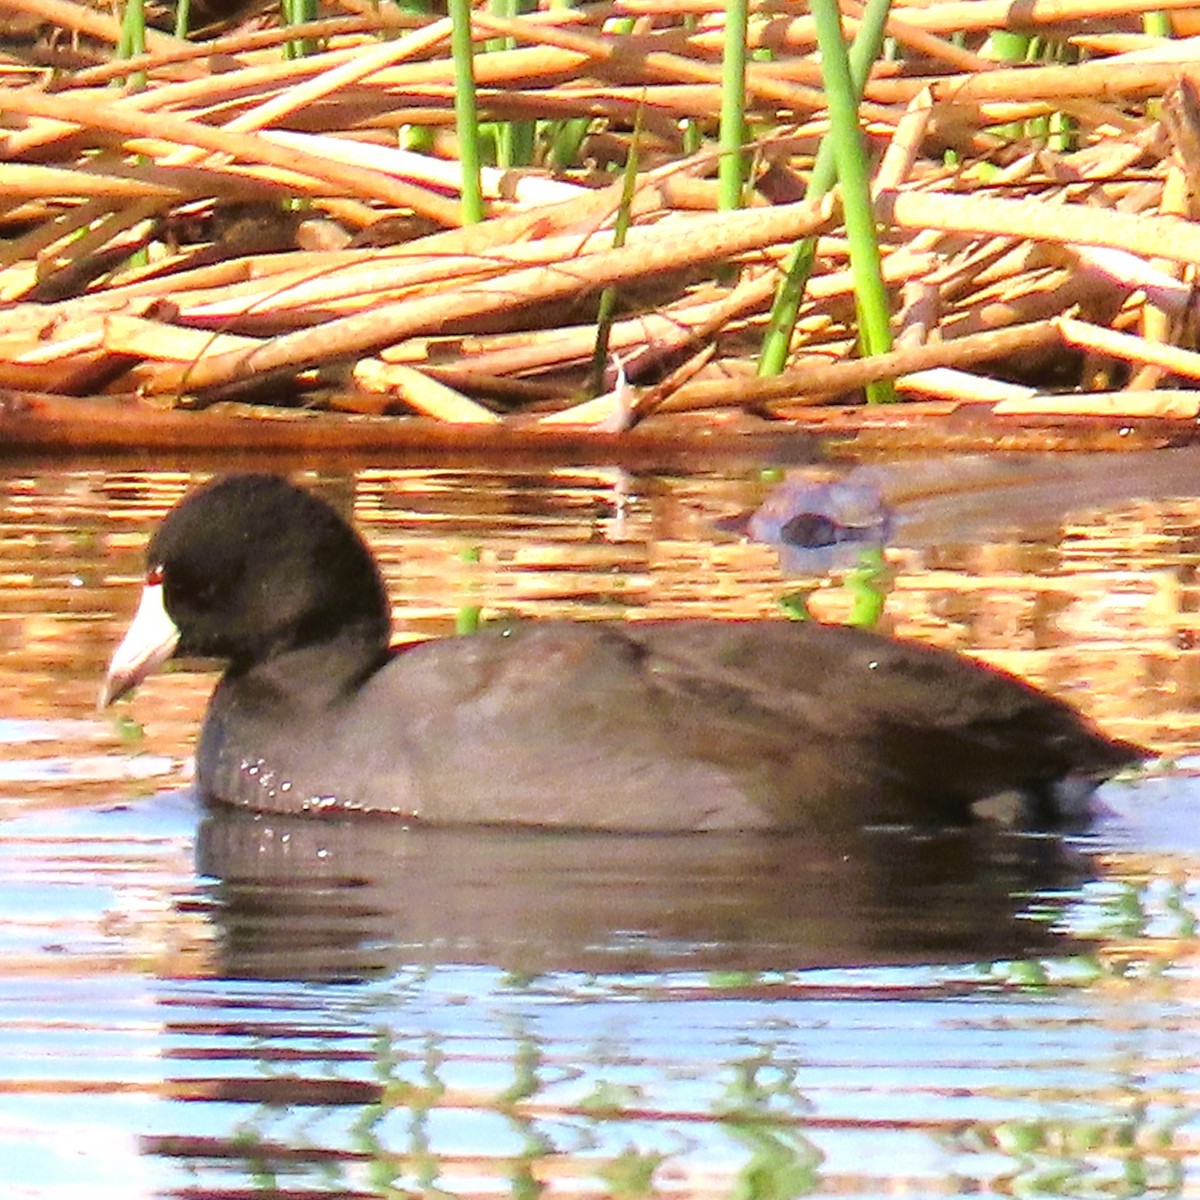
(639, 726)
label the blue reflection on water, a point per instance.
(125, 1078)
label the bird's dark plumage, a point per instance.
(638, 726)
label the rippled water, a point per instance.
(203, 1005)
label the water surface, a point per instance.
(202, 1004)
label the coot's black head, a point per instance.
(246, 568)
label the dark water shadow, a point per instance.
(317, 900)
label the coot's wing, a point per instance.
(931, 728)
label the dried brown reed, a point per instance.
(248, 226)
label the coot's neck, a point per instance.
(318, 672)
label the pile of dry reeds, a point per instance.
(245, 225)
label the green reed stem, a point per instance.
(566, 142)
(417, 138)
(870, 295)
(608, 298)
(296, 12)
(467, 616)
(788, 296)
(868, 584)
(466, 117)
(515, 141)
(1007, 46)
(693, 137)
(133, 37)
(565, 138)
(731, 176)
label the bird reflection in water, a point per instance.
(298, 898)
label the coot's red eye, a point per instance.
(154, 576)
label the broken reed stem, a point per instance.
(369, 60)
(1144, 234)
(702, 240)
(98, 112)
(1103, 80)
(1087, 336)
(79, 18)
(807, 383)
(241, 42)
(241, 286)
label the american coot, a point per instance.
(638, 726)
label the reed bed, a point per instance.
(213, 219)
